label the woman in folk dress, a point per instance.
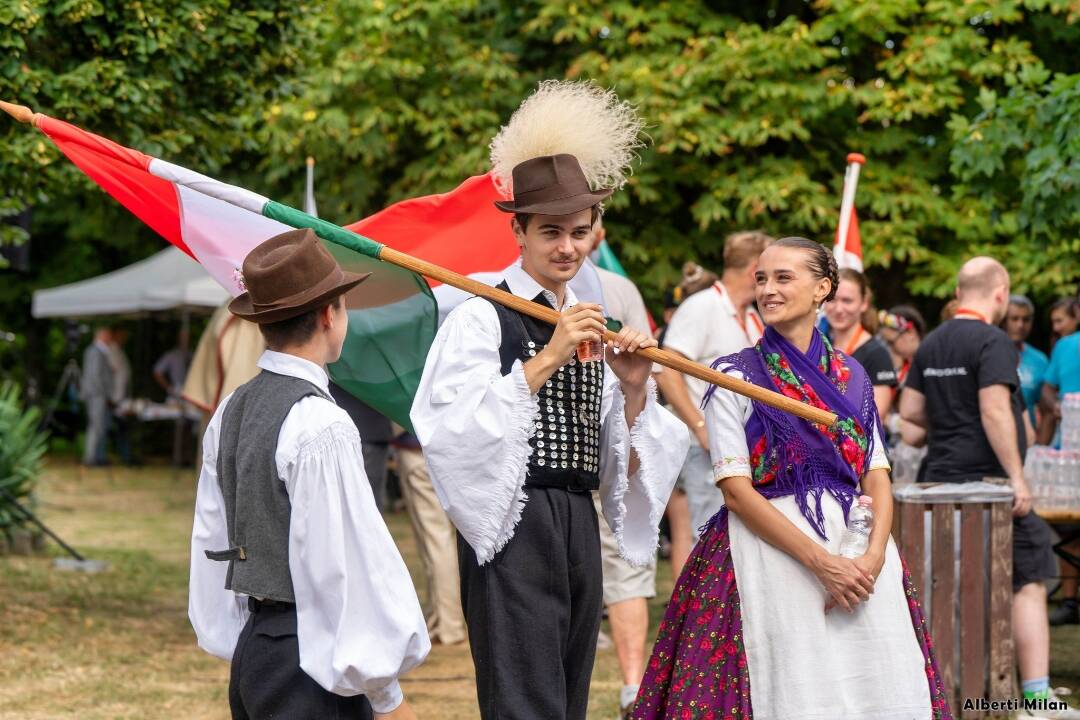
(767, 620)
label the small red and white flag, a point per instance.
(848, 245)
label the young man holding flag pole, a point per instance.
(519, 429)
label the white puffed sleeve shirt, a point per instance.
(359, 624)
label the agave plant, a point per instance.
(22, 452)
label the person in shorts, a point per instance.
(964, 388)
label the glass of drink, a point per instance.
(590, 350)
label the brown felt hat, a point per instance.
(288, 275)
(551, 185)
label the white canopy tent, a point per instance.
(166, 281)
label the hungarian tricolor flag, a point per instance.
(392, 317)
(848, 245)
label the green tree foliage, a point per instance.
(965, 111)
(752, 109)
(182, 80)
(1020, 159)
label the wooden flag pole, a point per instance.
(20, 112)
(527, 307)
(664, 357)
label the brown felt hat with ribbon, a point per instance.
(289, 275)
(551, 185)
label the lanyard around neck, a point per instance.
(719, 287)
(854, 342)
(967, 312)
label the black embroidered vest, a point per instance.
(566, 444)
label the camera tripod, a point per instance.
(68, 384)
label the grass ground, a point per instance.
(117, 645)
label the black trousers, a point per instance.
(533, 611)
(267, 682)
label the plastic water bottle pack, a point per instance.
(1054, 477)
(1070, 422)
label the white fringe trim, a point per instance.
(515, 462)
(647, 476)
(617, 416)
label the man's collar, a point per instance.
(294, 366)
(523, 285)
(725, 298)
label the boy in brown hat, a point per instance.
(294, 576)
(519, 428)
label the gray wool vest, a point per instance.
(257, 507)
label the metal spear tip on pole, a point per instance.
(20, 112)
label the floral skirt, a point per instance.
(698, 669)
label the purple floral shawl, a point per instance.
(792, 456)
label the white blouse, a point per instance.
(726, 416)
(359, 624)
(474, 424)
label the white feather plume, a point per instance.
(577, 118)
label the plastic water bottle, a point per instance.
(1070, 422)
(856, 537)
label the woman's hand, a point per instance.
(848, 583)
(871, 563)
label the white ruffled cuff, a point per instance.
(509, 499)
(636, 503)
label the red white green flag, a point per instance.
(392, 317)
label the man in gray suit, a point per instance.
(96, 388)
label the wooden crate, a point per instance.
(971, 627)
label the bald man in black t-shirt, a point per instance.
(963, 388)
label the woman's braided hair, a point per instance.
(821, 262)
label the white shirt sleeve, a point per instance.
(633, 505)
(879, 459)
(474, 424)
(359, 624)
(217, 615)
(725, 420)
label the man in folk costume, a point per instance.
(518, 429)
(294, 576)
